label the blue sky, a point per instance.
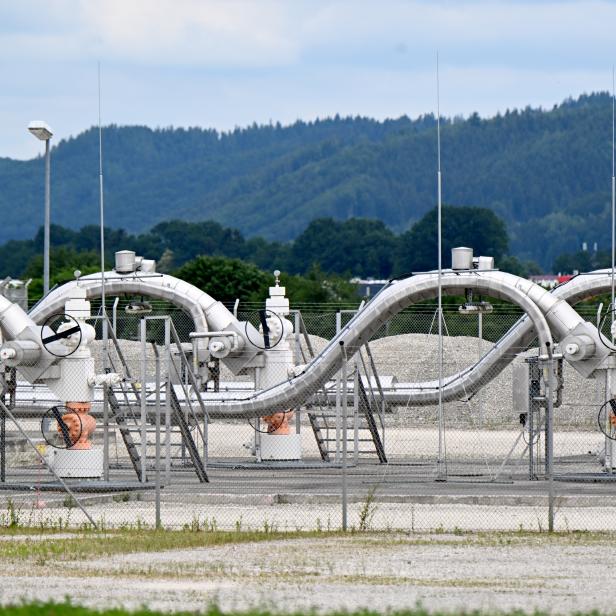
(227, 63)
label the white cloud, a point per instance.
(230, 62)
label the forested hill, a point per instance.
(546, 173)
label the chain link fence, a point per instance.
(359, 452)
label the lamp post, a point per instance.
(43, 132)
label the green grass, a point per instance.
(85, 545)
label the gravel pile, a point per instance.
(414, 357)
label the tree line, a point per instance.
(545, 172)
(324, 256)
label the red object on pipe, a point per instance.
(79, 432)
(278, 423)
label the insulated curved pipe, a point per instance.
(13, 320)
(585, 286)
(557, 307)
(391, 300)
(561, 317)
(204, 310)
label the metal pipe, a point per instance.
(397, 296)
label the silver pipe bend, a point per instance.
(394, 298)
(204, 310)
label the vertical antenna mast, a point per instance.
(101, 201)
(613, 194)
(441, 419)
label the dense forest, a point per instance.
(546, 173)
(327, 248)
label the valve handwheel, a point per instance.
(61, 427)
(61, 335)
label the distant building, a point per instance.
(367, 287)
(549, 281)
(16, 291)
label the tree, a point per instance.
(356, 247)
(475, 227)
(582, 261)
(513, 265)
(226, 279)
(63, 262)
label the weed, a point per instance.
(69, 502)
(367, 511)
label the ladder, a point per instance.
(125, 406)
(363, 437)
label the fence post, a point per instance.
(344, 436)
(549, 440)
(105, 325)
(168, 386)
(144, 435)
(157, 468)
(3, 442)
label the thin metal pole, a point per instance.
(2, 446)
(613, 197)
(46, 463)
(344, 436)
(356, 377)
(157, 468)
(549, 439)
(479, 341)
(144, 443)
(338, 393)
(101, 198)
(46, 240)
(168, 386)
(441, 467)
(298, 360)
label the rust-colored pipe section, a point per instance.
(278, 423)
(79, 432)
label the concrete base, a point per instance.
(281, 447)
(79, 463)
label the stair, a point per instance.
(127, 415)
(368, 442)
(125, 406)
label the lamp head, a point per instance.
(41, 130)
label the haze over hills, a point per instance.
(546, 173)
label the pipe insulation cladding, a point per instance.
(547, 314)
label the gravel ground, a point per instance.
(560, 575)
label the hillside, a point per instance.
(546, 173)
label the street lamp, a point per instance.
(43, 132)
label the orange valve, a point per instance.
(61, 427)
(607, 419)
(88, 423)
(278, 423)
